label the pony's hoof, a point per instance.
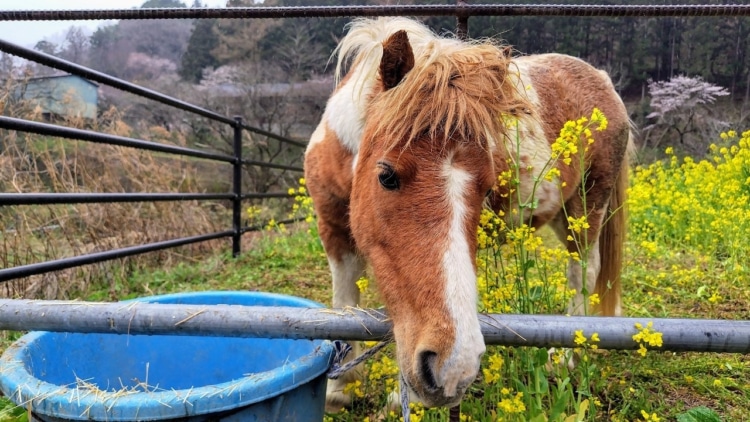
(337, 401)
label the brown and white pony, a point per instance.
(410, 144)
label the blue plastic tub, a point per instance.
(107, 377)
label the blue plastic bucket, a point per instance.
(108, 377)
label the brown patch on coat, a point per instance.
(568, 89)
(328, 175)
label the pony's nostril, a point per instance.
(427, 363)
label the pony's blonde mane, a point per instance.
(459, 90)
(362, 47)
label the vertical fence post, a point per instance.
(237, 188)
(462, 21)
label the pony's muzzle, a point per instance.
(435, 387)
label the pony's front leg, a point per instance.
(346, 267)
(578, 304)
(585, 243)
(576, 280)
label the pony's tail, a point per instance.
(612, 243)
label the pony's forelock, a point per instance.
(457, 90)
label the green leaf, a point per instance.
(541, 357)
(535, 293)
(529, 264)
(559, 407)
(539, 418)
(699, 414)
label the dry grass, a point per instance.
(29, 234)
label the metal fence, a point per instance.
(236, 161)
(528, 330)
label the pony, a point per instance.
(407, 154)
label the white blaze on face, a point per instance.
(460, 289)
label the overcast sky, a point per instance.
(28, 33)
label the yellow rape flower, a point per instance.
(354, 388)
(646, 336)
(511, 405)
(580, 339)
(578, 224)
(650, 417)
(362, 284)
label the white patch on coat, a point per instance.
(527, 139)
(345, 111)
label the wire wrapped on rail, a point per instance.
(620, 10)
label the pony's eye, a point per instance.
(388, 178)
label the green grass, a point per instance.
(667, 384)
(274, 264)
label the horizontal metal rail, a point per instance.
(61, 264)
(91, 198)
(592, 10)
(94, 198)
(274, 136)
(133, 318)
(39, 128)
(272, 165)
(93, 258)
(12, 123)
(266, 195)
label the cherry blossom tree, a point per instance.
(682, 115)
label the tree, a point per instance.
(109, 51)
(165, 38)
(76, 45)
(680, 106)
(198, 55)
(296, 49)
(111, 46)
(248, 89)
(7, 67)
(36, 69)
(238, 38)
(47, 47)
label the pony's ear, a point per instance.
(397, 61)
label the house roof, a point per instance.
(60, 76)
